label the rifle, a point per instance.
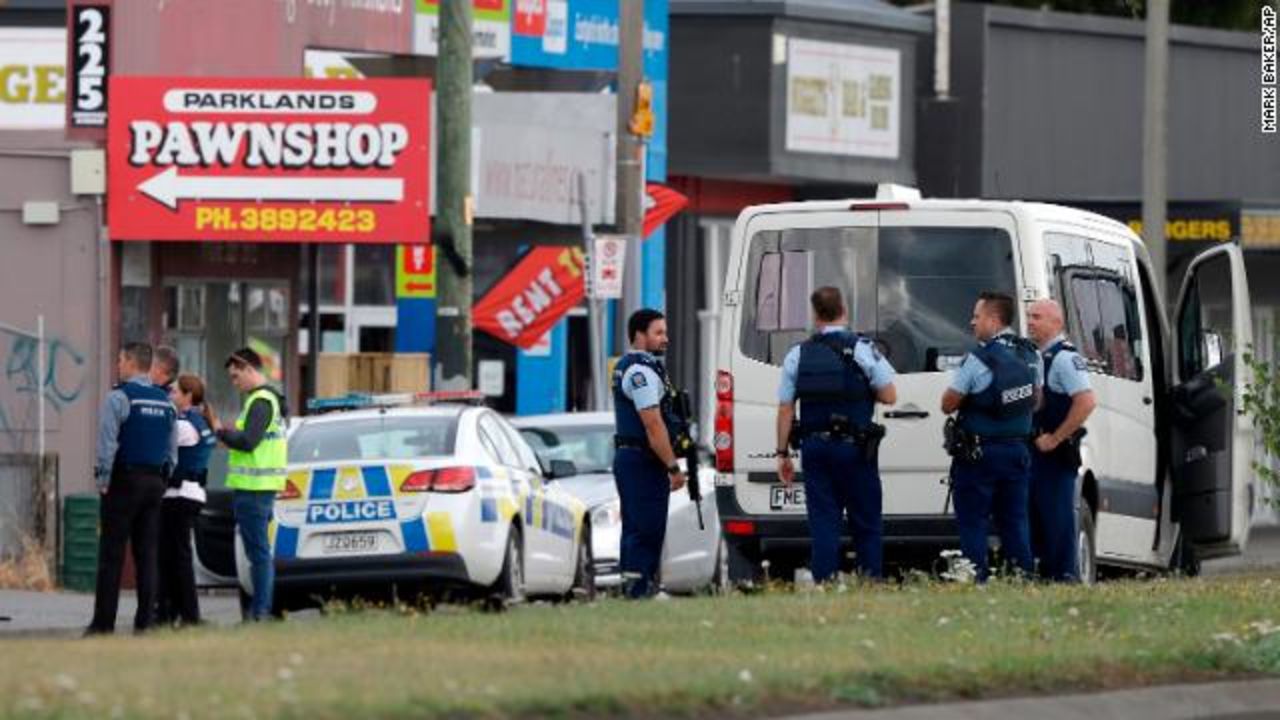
(684, 446)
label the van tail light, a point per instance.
(445, 480)
(290, 491)
(739, 527)
(419, 481)
(724, 422)
(454, 480)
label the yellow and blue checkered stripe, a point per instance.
(432, 533)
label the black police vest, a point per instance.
(1005, 407)
(193, 461)
(830, 382)
(626, 417)
(1056, 405)
(144, 436)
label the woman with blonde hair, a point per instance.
(183, 501)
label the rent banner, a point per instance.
(538, 291)
(244, 160)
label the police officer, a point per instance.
(644, 466)
(137, 447)
(1055, 461)
(837, 376)
(996, 390)
(183, 501)
(255, 470)
(164, 367)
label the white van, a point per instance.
(1168, 460)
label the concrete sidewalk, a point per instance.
(1243, 700)
(68, 613)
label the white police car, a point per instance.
(422, 498)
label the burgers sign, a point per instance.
(269, 160)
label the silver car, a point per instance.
(692, 559)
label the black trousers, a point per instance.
(177, 587)
(130, 511)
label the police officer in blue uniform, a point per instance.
(1055, 460)
(837, 376)
(137, 448)
(644, 466)
(996, 390)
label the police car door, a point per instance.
(1213, 441)
(932, 264)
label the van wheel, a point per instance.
(1086, 545)
(584, 571)
(508, 589)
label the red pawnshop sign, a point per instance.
(232, 159)
(524, 305)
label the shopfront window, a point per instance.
(375, 274)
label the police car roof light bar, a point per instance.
(472, 397)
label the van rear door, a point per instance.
(787, 256)
(932, 266)
(1213, 440)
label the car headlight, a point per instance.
(607, 515)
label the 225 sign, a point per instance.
(90, 58)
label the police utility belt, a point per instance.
(867, 438)
(967, 446)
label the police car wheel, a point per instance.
(1086, 549)
(584, 575)
(509, 588)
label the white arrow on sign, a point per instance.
(169, 188)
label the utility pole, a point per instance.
(453, 206)
(1155, 190)
(630, 150)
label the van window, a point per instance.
(1204, 322)
(912, 288)
(1094, 283)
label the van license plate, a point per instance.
(782, 497)
(350, 542)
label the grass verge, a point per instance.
(745, 655)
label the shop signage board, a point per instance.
(233, 159)
(33, 78)
(546, 283)
(843, 99)
(90, 59)
(490, 28)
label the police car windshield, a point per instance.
(381, 438)
(590, 447)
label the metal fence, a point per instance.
(28, 503)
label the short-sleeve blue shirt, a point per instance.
(877, 368)
(642, 386)
(1069, 373)
(972, 377)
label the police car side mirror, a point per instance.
(561, 469)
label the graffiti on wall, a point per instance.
(21, 384)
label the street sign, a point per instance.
(415, 271)
(491, 377)
(235, 159)
(607, 264)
